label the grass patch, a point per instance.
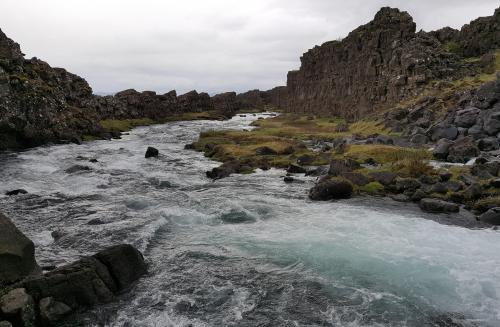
(371, 188)
(311, 127)
(383, 154)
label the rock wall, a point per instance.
(381, 63)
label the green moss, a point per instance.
(371, 188)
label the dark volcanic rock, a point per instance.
(463, 150)
(17, 253)
(77, 168)
(376, 65)
(442, 149)
(356, 178)
(91, 280)
(330, 189)
(151, 152)
(294, 169)
(492, 216)
(438, 206)
(18, 307)
(16, 192)
(340, 166)
(384, 177)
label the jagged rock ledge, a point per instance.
(29, 298)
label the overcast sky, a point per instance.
(207, 45)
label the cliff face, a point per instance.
(381, 63)
(38, 103)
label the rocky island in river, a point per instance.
(365, 192)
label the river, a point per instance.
(248, 250)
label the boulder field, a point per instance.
(30, 298)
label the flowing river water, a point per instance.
(248, 250)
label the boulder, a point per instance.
(492, 216)
(288, 179)
(419, 139)
(488, 144)
(224, 170)
(473, 192)
(438, 206)
(52, 311)
(77, 168)
(294, 169)
(18, 307)
(444, 132)
(17, 253)
(463, 150)
(466, 117)
(340, 166)
(384, 177)
(16, 192)
(442, 149)
(331, 189)
(318, 171)
(407, 185)
(492, 124)
(151, 152)
(125, 263)
(5, 323)
(90, 280)
(357, 178)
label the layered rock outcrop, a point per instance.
(383, 62)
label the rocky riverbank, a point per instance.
(440, 103)
(30, 298)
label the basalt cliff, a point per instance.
(384, 62)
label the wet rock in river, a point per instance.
(237, 217)
(492, 216)
(438, 206)
(90, 280)
(331, 189)
(17, 253)
(151, 152)
(16, 192)
(294, 169)
(288, 179)
(77, 168)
